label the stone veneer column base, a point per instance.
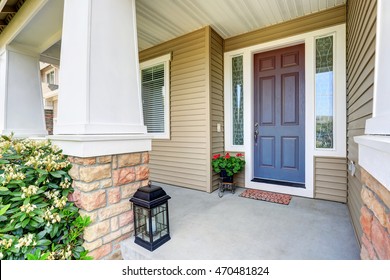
(375, 219)
(103, 186)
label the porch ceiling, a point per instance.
(163, 20)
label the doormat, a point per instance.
(267, 196)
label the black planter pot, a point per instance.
(224, 177)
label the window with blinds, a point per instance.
(155, 95)
(153, 98)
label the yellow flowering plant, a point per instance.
(36, 219)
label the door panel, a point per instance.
(279, 111)
(267, 155)
(290, 99)
(267, 99)
(290, 152)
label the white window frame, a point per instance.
(228, 104)
(339, 96)
(165, 59)
(339, 100)
(335, 112)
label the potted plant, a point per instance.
(228, 165)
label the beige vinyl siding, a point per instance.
(184, 159)
(361, 30)
(239, 179)
(330, 178)
(217, 102)
(300, 25)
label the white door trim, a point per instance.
(339, 94)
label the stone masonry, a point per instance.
(103, 186)
(375, 219)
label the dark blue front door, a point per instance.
(279, 115)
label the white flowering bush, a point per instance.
(36, 219)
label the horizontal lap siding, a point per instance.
(361, 30)
(182, 160)
(239, 179)
(216, 91)
(330, 180)
(300, 25)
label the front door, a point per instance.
(279, 116)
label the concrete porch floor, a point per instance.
(204, 226)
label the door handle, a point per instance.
(256, 132)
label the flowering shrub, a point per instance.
(36, 219)
(232, 164)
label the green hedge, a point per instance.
(36, 219)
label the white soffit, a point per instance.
(163, 20)
(159, 21)
(44, 29)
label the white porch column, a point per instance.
(21, 104)
(99, 104)
(374, 147)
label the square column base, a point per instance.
(101, 145)
(103, 186)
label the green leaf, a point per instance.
(45, 256)
(17, 194)
(16, 182)
(76, 254)
(4, 209)
(33, 224)
(79, 249)
(26, 201)
(16, 215)
(3, 218)
(3, 189)
(6, 138)
(41, 234)
(87, 258)
(16, 198)
(41, 205)
(53, 186)
(25, 222)
(42, 171)
(38, 219)
(44, 242)
(14, 208)
(8, 156)
(7, 229)
(3, 161)
(56, 174)
(32, 257)
(41, 179)
(65, 192)
(54, 230)
(24, 216)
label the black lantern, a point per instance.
(151, 223)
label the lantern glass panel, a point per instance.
(160, 221)
(141, 216)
